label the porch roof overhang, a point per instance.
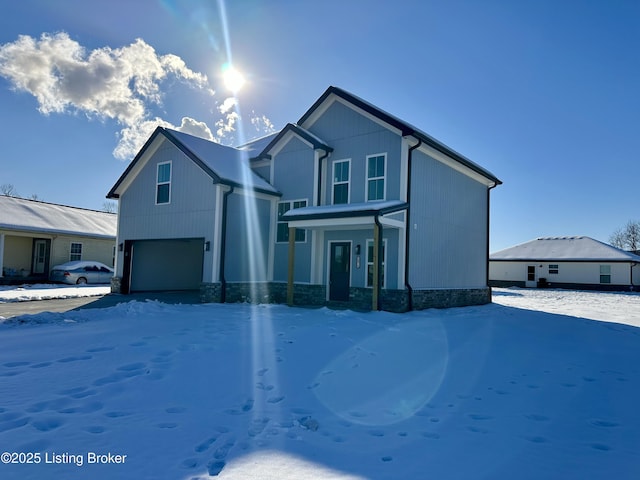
(346, 216)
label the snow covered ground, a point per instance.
(528, 387)
(48, 291)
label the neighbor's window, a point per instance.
(283, 227)
(163, 185)
(375, 177)
(76, 251)
(370, 263)
(341, 182)
(605, 273)
(553, 269)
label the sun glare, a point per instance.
(233, 79)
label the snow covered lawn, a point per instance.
(49, 291)
(500, 391)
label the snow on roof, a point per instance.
(36, 216)
(577, 248)
(230, 164)
(346, 210)
(257, 145)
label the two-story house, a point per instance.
(349, 205)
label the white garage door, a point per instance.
(158, 265)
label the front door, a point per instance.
(40, 255)
(339, 271)
(531, 276)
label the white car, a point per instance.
(80, 272)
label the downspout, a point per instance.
(633, 264)
(488, 226)
(376, 219)
(319, 198)
(223, 245)
(408, 228)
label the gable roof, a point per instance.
(226, 165)
(36, 216)
(313, 139)
(405, 128)
(574, 249)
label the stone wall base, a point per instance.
(359, 298)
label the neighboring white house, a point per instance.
(35, 236)
(565, 262)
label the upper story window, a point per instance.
(376, 169)
(341, 181)
(163, 183)
(75, 252)
(282, 234)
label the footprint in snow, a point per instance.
(97, 429)
(47, 424)
(536, 439)
(536, 417)
(40, 365)
(477, 416)
(603, 423)
(206, 444)
(99, 349)
(16, 364)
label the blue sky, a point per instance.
(544, 94)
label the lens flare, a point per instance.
(233, 79)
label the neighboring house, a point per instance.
(349, 205)
(565, 262)
(35, 236)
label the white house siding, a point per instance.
(190, 213)
(569, 273)
(96, 249)
(447, 227)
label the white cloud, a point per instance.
(118, 84)
(261, 123)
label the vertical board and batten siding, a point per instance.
(190, 213)
(247, 240)
(360, 237)
(294, 173)
(355, 136)
(448, 227)
(585, 273)
(263, 171)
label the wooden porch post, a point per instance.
(292, 248)
(376, 267)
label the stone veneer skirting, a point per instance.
(359, 298)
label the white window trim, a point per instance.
(278, 221)
(71, 244)
(384, 177)
(608, 267)
(334, 183)
(384, 262)
(163, 183)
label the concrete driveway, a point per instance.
(13, 309)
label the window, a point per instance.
(370, 263)
(163, 185)
(76, 251)
(341, 182)
(605, 273)
(282, 234)
(375, 177)
(553, 269)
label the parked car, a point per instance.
(80, 272)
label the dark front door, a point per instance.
(339, 271)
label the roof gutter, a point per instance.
(407, 227)
(223, 245)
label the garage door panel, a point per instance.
(167, 264)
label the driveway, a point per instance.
(12, 309)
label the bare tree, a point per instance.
(628, 237)
(9, 190)
(110, 207)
